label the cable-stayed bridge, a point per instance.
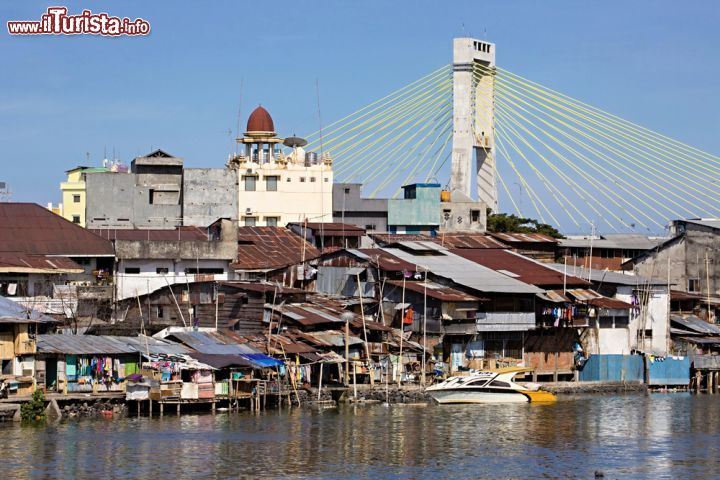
(533, 151)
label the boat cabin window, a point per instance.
(498, 383)
(477, 383)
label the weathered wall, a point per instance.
(350, 207)
(209, 194)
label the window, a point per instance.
(161, 270)
(204, 271)
(159, 311)
(693, 284)
(132, 270)
(474, 215)
(302, 179)
(326, 180)
(312, 179)
(76, 218)
(271, 183)
(498, 383)
(347, 191)
(477, 383)
(271, 221)
(288, 179)
(250, 181)
(76, 198)
(370, 227)
(250, 221)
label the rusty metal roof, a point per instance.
(522, 268)
(261, 287)
(448, 240)
(105, 345)
(21, 262)
(183, 234)
(34, 230)
(270, 248)
(438, 291)
(523, 237)
(332, 228)
(386, 261)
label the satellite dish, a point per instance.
(295, 142)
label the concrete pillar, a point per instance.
(473, 119)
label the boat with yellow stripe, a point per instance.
(488, 387)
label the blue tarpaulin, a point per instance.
(261, 360)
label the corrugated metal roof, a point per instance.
(32, 229)
(705, 222)
(83, 345)
(212, 342)
(22, 262)
(526, 269)
(438, 291)
(696, 324)
(523, 237)
(333, 338)
(465, 272)
(628, 242)
(332, 228)
(268, 248)
(387, 261)
(606, 276)
(10, 309)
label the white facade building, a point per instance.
(275, 189)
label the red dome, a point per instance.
(260, 121)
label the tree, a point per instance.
(34, 410)
(504, 223)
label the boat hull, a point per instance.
(469, 396)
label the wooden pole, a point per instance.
(402, 330)
(320, 382)
(367, 347)
(424, 354)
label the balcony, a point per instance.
(504, 321)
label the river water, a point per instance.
(633, 436)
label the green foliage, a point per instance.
(34, 410)
(504, 223)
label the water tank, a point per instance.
(445, 196)
(311, 158)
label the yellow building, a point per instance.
(74, 198)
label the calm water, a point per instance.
(660, 436)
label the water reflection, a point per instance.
(625, 436)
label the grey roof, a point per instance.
(11, 311)
(619, 241)
(606, 276)
(206, 342)
(696, 324)
(705, 222)
(104, 345)
(465, 272)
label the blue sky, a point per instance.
(652, 62)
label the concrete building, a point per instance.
(605, 251)
(150, 196)
(148, 259)
(350, 207)
(209, 194)
(74, 195)
(688, 260)
(276, 189)
(417, 212)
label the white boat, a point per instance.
(488, 387)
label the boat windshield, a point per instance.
(498, 383)
(477, 383)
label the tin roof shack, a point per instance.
(19, 327)
(691, 255)
(504, 316)
(534, 245)
(548, 348)
(97, 364)
(329, 235)
(275, 254)
(151, 259)
(648, 324)
(700, 341)
(44, 259)
(608, 251)
(209, 304)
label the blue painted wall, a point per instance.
(670, 372)
(421, 210)
(613, 368)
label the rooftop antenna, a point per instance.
(322, 180)
(239, 117)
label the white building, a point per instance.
(275, 189)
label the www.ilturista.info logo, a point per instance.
(57, 22)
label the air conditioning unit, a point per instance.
(248, 211)
(249, 171)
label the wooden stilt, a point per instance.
(150, 408)
(162, 408)
(138, 408)
(178, 409)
